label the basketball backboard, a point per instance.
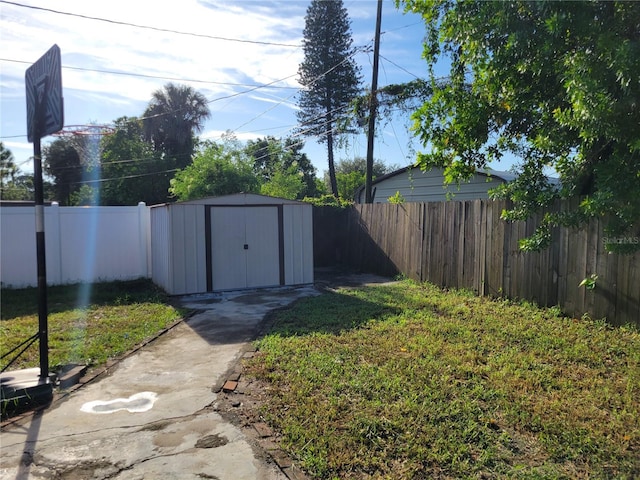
(43, 82)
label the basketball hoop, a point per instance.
(91, 129)
(86, 140)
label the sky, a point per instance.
(224, 50)
(242, 55)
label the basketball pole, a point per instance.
(43, 329)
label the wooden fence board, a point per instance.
(469, 251)
(468, 245)
(478, 247)
(495, 254)
(437, 234)
(590, 234)
(563, 265)
(460, 237)
(628, 288)
(414, 240)
(482, 248)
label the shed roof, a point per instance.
(240, 199)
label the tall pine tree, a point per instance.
(329, 75)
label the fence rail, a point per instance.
(467, 245)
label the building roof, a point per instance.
(487, 172)
(492, 176)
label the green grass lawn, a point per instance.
(88, 323)
(409, 381)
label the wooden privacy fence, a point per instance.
(467, 245)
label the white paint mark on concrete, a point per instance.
(139, 402)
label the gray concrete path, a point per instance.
(153, 415)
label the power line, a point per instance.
(126, 177)
(399, 66)
(142, 75)
(419, 22)
(148, 27)
(213, 100)
(217, 99)
(13, 136)
(311, 82)
(300, 132)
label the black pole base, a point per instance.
(22, 390)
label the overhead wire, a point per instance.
(224, 97)
(213, 100)
(390, 121)
(235, 94)
(313, 81)
(252, 87)
(149, 27)
(399, 66)
(147, 160)
(300, 133)
(124, 177)
(160, 77)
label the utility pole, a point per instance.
(373, 107)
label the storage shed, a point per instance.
(231, 242)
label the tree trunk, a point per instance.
(332, 167)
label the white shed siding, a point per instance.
(187, 254)
(160, 258)
(178, 244)
(298, 244)
(416, 185)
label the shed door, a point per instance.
(244, 247)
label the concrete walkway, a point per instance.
(153, 415)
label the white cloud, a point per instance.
(100, 97)
(278, 101)
(217, 135)
(98, 45)
(17, 145)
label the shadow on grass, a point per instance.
(60, 298)
(331, 313)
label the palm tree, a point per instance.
(173, 115)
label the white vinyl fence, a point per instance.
(83, 244)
